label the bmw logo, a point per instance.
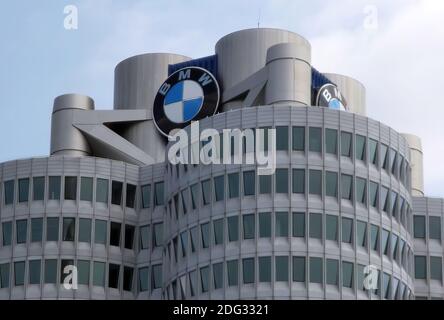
(189, 94)
(329, 96)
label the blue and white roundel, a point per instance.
(183, 101)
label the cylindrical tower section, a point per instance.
(137, 80)
(289, 74)
(352, 90)
(65, 138)
(416, 158)
(242, 53)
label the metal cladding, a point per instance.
(137, 80)
(416, 156)
(352, 90)
(65, 138)
(289, 74)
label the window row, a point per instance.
(434, 272)
(33, 189)
(95, 273)
(318, 183)
(434, 227)
(296, 269)
(283, 224)
(53, 229)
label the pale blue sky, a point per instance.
(399, 63)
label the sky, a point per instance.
(393, 47)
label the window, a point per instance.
(206, 192)
(436, 268)
(194, 195)
(115, 234)
(100, 232)
(282, 181)
(393, 160)
(143, 279)
(394, 203)
(36, 230)
(218, 227)
(22, 230)
(70, 188)
(184, 201)
(264, 269)
(218, 275)
(116, 193)
(99, 274)
(4, 275)
(219, 188)
(360, 277)
(316, 270)
(233, 185)
(184, 243)
(233, 228)
(54, 188)
(332, 272)
(299, 224)
(361, 230)
(420, 267)
(102, 191)
(146, 194)
(281, 224)
(282, 138)
(205, 279)
(361, 191)
(9, 192)
(35, 267)
(157, 235)
(159, 194)
(315, 182)
(51, 271)
(346, 142)
(83, 272)
(394, 246)
(299, 269)
(265, 184)
(331, 141)
(316, 225)
(373, 150)
(249, 183)
(419, 227)
(315, 142)
(264, 225)
(85, 230)
(113, 276)
(374, 194)
(360, 147)
(347, 233)
(346, 187)
(248, 226)
(281, 269)
(205, 235)
(128, 278)
(374, 237)
(299, 181)
(435, 228)
(69, 229)
(130, 196)
(144, 237)
(194, 238)
(23, 190)
(86, 189)
(331, 232)
(331, 184)
(385, 242)
(38, 188)
(385, 199)
(52, 229)
(129, 236)
(7, 233)
(384, 157)
(347, 274)
(19, 273)
(156, 277)
(248, 270)
(232, 272)
(298, 138)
